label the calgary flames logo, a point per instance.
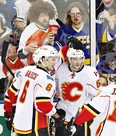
(71, 91)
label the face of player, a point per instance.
(76, 16)
(76, 64)
(103, 81)
(43, 20)
(12, 52)
(108, 3)
(51, 63)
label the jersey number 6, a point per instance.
(23, 95)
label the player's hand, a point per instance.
(59, 117)
(69, 130)
(59, 121)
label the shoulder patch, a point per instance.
(18, 73)
(49, 77)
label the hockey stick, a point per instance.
(3, 57)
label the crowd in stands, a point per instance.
(21, 25)
(26, 25)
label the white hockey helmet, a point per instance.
(44, 51)
(73, 53)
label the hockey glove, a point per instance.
(59, 121)
(9, 118)
(8, 121)
(52, 127)
(70, 128)
(69, 131)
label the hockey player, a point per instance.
(104, 103)
(75, 87)
(72, 42)
(32, 92)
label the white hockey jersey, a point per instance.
(75, 89)
(35, 89)
(104, 103)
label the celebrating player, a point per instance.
(75, 86)
(104, 103)
(32, 91)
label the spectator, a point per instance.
(37, 31)
(22, 9)
(108, 26)
(76, 25)
(52, 3)
(18, 25)
(8, 11)
(60, 4)
(54, 26)
(3, 2)
(108, 66)
(4, 31)
(105, 48)
(12, 60)
(104, 5)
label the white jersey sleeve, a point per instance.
(103, 98)
(92, 81)
(43, 95)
